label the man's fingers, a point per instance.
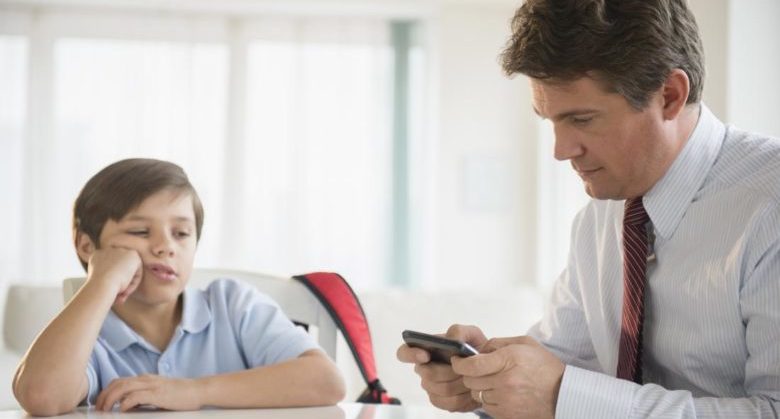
(480, 365)
(411, 355)
(498, 343)
(437, 372)
(469, 334)
(444, 388)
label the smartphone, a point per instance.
(440, 348)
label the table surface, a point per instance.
(341, 411)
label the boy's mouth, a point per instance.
(162, 271)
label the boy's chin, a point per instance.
(149, 297)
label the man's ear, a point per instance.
(675, 93)
(84, 246)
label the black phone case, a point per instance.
(440, 348)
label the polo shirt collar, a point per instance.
(669, 199)
(196, 315)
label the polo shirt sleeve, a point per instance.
(93, 385)
(266, 335)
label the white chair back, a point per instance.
(297, 302)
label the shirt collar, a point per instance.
(117, 334)
(196, 315)
(669, 199)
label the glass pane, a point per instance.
(318, 159)
(116, 99)
(13, 105)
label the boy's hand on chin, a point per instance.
(149, 391)
(120, 265)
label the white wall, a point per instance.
(713, 19)
(753, 88)
(485, 149)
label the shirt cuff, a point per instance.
(589, 394)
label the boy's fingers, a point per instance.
(134, 399)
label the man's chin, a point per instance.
(601, 194)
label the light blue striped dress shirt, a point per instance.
(711, 339)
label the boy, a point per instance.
(145, 340)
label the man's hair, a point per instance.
(121, 187)
(629, 46)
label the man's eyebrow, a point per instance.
(566, 114)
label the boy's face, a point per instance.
(162, 231)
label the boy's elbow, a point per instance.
(42, 400)
(337, 390)
(333, 389)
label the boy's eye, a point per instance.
(138, 232)
(182, 234)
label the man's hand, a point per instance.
(120, 265)
(518, 378)
(149, 390)
(445, 388)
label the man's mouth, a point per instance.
(586, 172)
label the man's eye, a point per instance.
(182, 234)
(581, 120)
(138, 232)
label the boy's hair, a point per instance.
(629, 46)
(123, 186)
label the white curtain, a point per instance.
(282, 125)
(13, 101)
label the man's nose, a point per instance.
(567, 146)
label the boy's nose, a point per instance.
(162, 247)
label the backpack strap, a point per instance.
(335, 294)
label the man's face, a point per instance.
(162, 231)
(618, 152)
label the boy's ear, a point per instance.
(84, 246)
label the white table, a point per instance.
(342, 411)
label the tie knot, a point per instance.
(635, 212)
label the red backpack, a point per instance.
(332, 290)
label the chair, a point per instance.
(297, 302)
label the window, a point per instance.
(13, 107)
(284, 125)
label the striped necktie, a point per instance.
(635, 251)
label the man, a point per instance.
(668, 304)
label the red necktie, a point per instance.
(635, 252)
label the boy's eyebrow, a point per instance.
(142, 218)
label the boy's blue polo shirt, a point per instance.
(229, 326)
